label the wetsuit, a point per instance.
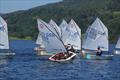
(99, 53)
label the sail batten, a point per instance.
(4, 42)
(96, 36)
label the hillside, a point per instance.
(23, 23)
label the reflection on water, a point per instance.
(26, 65)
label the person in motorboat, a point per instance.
(99, 52)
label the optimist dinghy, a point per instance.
(4, 42)
(96, 36)
(94, 57)
(52, 41)
(74, 35)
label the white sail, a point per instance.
(74, 37)
(96, 36)
(56, 29)
(118, 43)
(51, 41)
(64, 33)
(4, 43)
(39, 41)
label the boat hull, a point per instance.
(42, 52)
(6, 55)
(63, 60)
(94, 57)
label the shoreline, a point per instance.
(16, 38)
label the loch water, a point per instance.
(26, 65)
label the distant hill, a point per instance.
(23, 23)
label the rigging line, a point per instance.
(56, 31)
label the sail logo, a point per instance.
(52, 25)
(72, 26)
(41, 26)
(92, 34)
(101, 33)
(95, 33)
(73, 36)
(67, 30)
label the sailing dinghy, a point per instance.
(4, 42)
(74, 35)
(117, 48)
(52, 42)
(96, 36)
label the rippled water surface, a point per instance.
(26, 65)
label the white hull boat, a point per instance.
(4, 41)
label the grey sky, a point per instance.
(7, 6)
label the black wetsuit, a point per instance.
(99, 53)
(72, 49)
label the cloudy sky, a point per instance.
(7, 6)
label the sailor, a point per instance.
(68, 47)
(72, 49)
(99, 52)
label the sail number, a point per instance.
(46, 36)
